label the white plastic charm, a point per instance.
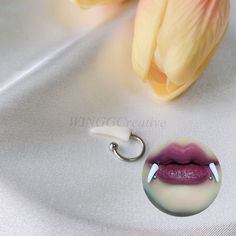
(122, 133)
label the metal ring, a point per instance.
(114, 148)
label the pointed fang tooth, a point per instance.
(214, 171)
(152, 172)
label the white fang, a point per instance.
(122, 133)
(152, 172)
(214, 171)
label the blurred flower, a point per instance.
(91, 3)
(174, 41)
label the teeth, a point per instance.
(152, 172)
(214, 171)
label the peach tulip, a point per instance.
(91, 3)
(174, 41)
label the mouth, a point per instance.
(186, 165)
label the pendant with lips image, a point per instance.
(182, 177)
(183, 164)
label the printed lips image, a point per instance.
(182, 178)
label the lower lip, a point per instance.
(183, 174)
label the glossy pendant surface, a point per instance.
(182, 177)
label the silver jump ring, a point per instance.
(114, 148)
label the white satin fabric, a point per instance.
(64, 70)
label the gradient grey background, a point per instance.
(55, 179)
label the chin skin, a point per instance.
(180, 199)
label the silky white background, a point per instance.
(61, 66)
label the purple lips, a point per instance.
(179, 164)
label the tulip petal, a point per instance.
(147, 23)
(91, 3)
(180, 42)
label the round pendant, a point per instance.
(182, 177)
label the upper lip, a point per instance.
(182, 154)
